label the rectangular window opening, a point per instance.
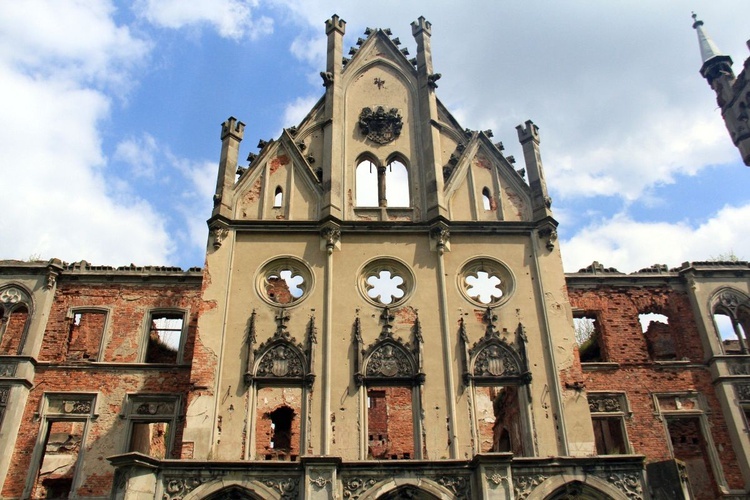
(499, 419)
(588, 337)
(278, 419)
(58, 463)
(609, 435)
(659, 337)
(390, 418)
(150, 438)
(86, 334)
(689, 446)
(164, 338)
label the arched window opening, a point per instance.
(15, 326)
(278, 197)
(367, 184)
(397, 184)
(731, 333)
(486, 198)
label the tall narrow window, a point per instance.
(367, 184)
(486, 198)
(397, 184)
(278, 197)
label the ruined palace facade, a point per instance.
(382, 314)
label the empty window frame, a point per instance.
(390, 423)
(85, 335)
(659, 338)
(487, 200)
(499, 419)
(278, 197)
(166, 330)
(608, 413)
(56, 464)
(588, 336)
(277, 424)
(15, 315)
(151, 425)
(732, 321)
(382, 186)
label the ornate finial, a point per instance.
(281, 320)
(696, 21)
(387, 319)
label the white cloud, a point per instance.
(57, 202)
(629, 245)
(295, 111)
(74, 40)
(230, 18)
(140, 154)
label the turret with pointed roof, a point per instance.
(732, 93)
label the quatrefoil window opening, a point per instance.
(385, 287)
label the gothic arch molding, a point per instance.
(387, 487)
(728, 300)
(594, 487)
(214, 490)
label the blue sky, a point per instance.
(110, 114)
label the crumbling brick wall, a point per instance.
(65, 368)
(390, 423)
(269, 401)
(639, 376)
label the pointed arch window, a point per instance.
(15, 315)
(380, 185)
(497, 374)
(486, 198)
(731, 313)
(278, 197)
(389, 376)
(280, 371)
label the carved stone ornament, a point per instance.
(11, 296)
(601, 404)
(76, 407)
(496, 477)
(7, 369)
(280, 361)
(388, 360)
(629, 484)
(320, 481)
(524, 485)
(178, 487)
(219, 234)
(4, 394)
(739, 368)
(355, 486)
(380, 126)
(743, 391)
(729, 300)
(155, 408)
(457, 484)
(495, 360)
(287, 486)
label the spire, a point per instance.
(715, 64)
(709, 50)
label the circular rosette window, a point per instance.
(284, 281)
(486, 282)
(386, 282)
